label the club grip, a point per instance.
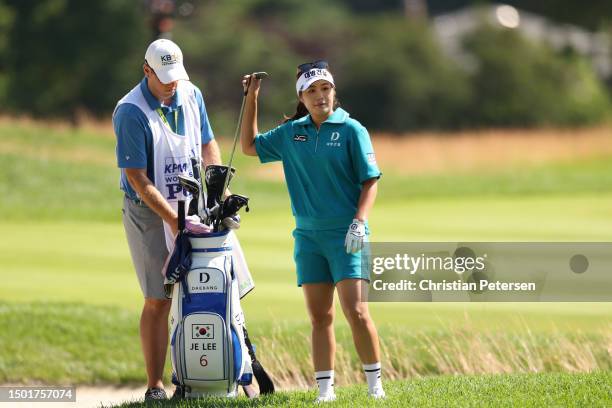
(256, 75)
(181, 215)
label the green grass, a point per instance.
(90, 263)
(54, 174)
(63, 245)
(68, 343)
(517, 390)
(77, 343)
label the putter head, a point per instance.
(190, 184)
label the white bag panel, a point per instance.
(211, 389)
(206, 280)
(241, 269)
(205, 350)
(218, 243)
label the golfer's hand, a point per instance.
(251, 84)
(355, 237)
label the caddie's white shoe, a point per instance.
(377, 393)
(326, 398)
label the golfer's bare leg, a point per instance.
(357, 314)
(320, 304)
(154, 338)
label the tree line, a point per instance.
(62, 57)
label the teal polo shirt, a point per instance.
(324, 169)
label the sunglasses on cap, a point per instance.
(320, 64)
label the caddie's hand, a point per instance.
(355, 237)
(194, 224)
(251, 84)
(232, 223)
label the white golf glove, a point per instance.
(355, 237)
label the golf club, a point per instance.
(194, 188)
(181, 215)
(214, 177)
(196, 165)
(230, 207)
(257, 75)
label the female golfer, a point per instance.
(331, 175)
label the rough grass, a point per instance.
(507, 390)
(457, 349)
(80, 344)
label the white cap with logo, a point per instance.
(166, 59)
(311, 76)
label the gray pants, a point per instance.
(144, 231)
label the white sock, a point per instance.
(372, 373)
(325, 380)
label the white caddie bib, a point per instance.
(172, 152)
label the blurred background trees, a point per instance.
(63, 56)
(399, 64)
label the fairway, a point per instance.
(89, 262)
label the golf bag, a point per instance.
(210, 349)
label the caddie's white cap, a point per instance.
(166, 59)
(311, 76)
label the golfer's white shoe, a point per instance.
(326, 398)
(377, 393)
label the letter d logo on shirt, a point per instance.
(334, 136)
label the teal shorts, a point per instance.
(320, 257)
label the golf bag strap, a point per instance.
(266, 386)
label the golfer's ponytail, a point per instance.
(300, 111)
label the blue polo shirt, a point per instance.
(324, 169)
(135, 139)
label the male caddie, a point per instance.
(160, 125)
